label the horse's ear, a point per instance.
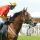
(23, 10)
(26, 9)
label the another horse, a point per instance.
(15, 24)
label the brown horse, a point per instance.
(16, 24)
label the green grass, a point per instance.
(24, 37)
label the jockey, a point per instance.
(4, 11)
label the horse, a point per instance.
(15, 24)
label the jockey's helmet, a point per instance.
(13, 4)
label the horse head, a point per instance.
(25, 16)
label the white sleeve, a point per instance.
(10, 13)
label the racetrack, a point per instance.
(24, 37)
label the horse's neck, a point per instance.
(16, 25)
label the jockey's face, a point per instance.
(12, 7)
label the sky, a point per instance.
(33, 6)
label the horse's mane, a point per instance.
(15, 15)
